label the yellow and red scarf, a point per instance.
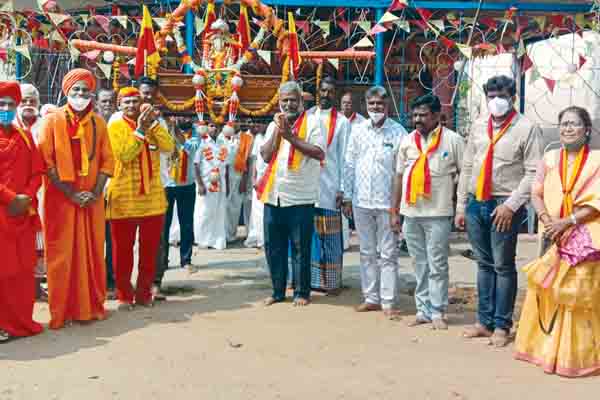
(265, 184)
(76, 130)
(352, 117)
(419, 177)
(567, 187)
(331, 122)
(145, 161)
(483, 191)
(180, 168)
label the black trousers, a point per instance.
(286, 227)
(185, 198)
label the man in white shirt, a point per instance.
(347, 106)
(289, 188)
(427, 162)
(327, 251)
(368, 179)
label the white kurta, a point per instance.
(255, 227)
(212, 218)
(235, 198)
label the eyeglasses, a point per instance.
(570, 124)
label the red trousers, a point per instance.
(123, 236)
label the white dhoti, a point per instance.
(255, 228)
(175, 233)
(212, 230)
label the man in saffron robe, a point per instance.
(21, 170)
(76, 149)
(136, 197)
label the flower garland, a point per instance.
(261, 112)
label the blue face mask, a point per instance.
(7, 117)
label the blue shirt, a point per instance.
(190, 146)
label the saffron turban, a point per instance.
(127, 91)
(76, 75)
(11, 89)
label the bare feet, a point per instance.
(191, 269)
(366, 307)
(110, 294)
(500, 338)
(477, 331)
(125, 307)
(269, 301)
(301, 302)
(391, 314)
(439, 324)
(157, 295)
(418, 320)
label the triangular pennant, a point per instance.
(526, 63)
(160, 22)
(582, 61)
(425, 14)
(541, 21)
(535, 75)
(550, 83)
(91, 55)
(198, 25)
(364, 42)
(104, 22)
(304, 26)
(439, 24)
(74, 53)
(106, 69)
(468, 20)
(378, 29)
(335, 62)
(324, 26)
(24, 51)
(403, 24)
(122, 20)
(420, 24)
(466, 51)
(580, 20)
(398, 5)
(365, 25)
(58, 19)
(84, 18)
(448, 43)
(557, 20)
(265, 55)
(8, 7)
(131, 62)
(124, 70)
(489, 22)
(388, 17)
(344, 25)
(56, 37)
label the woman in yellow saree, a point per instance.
(559, 328)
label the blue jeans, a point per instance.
(495, 252)
(427, 241)
(289, 226)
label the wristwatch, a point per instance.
(573, 219)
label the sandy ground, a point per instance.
(214, 340)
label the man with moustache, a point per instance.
(28, 119)
(427, 161)
(105, 106)
(368, 179)
(327, 249)
(347, 108)
(289, 188)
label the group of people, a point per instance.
(115, 178)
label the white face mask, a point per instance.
(78, 103)
(21, 110)
(499, 106)
(376, 117)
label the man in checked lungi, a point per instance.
(327, 244)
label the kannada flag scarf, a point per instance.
(567, 187)
(419, 178)
(180, 167)
(145, 161)
(484, 181)
(265, 184)
(331, 122)
(76, 130)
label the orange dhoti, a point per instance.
(74, 236)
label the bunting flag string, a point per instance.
(265, 55)
(364, 42)
(106, 69)
(550, 83)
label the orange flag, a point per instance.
(294, 51)
(146, 48)
(244, 27)
(209, 18)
